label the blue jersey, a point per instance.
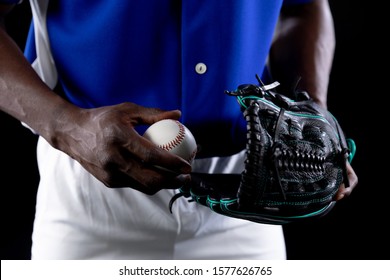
(168, 54)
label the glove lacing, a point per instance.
(276, 151)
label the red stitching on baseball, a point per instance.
(177, 140)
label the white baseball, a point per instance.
(173, 136)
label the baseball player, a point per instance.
(95, 74)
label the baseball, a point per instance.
(173, 136)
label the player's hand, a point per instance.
(104, 142)
(353, 180)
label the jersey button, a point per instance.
(200, 68)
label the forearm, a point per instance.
(23, 94)
(304, 48)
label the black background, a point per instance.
(356, 229)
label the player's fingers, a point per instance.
(353, 181)
(150, 154)
(152, 178)
(167, 160)
(152, 115)
(352, 177)
(155, 179)
(147, 180)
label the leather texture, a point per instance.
(296, 156)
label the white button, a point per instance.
(200, 68)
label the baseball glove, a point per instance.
(296, 156)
